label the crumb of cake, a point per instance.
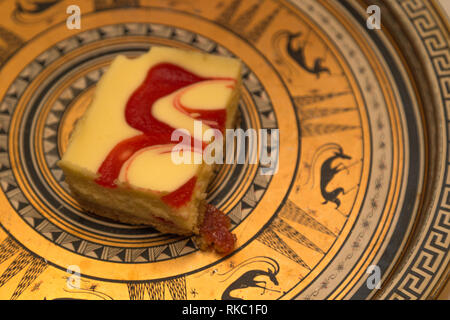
(214, 232)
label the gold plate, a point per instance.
(362, 182)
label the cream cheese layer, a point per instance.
(181, 108)
(104, 126)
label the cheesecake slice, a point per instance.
(136, 155)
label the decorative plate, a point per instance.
(358, 209)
